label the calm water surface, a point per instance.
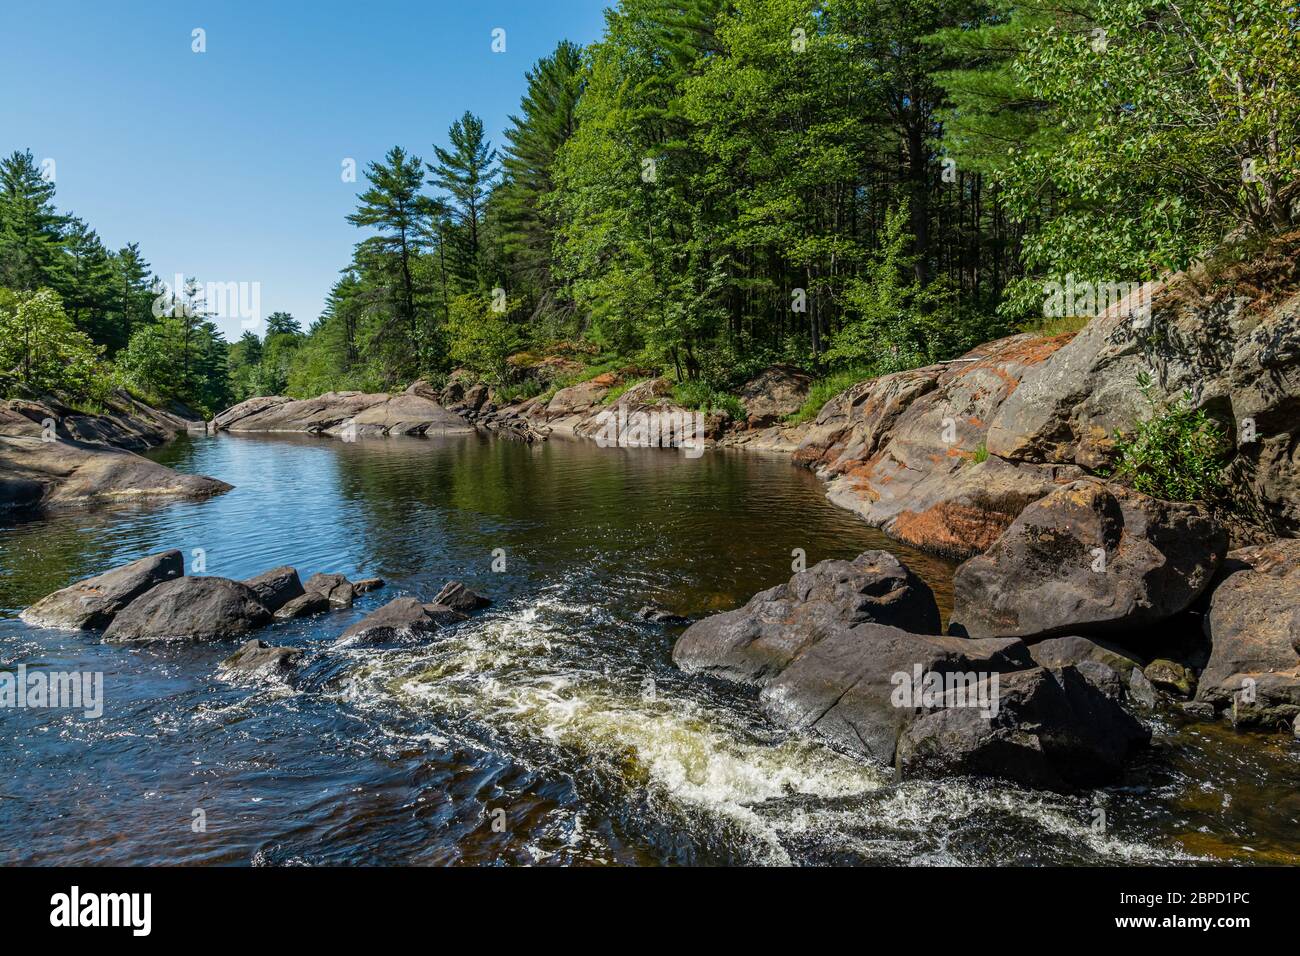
(556, 714)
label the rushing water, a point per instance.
(551, 728)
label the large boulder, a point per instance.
(94, 602)
(774, 394)
(1052, 729)
(1091, 558)
(752, 644)
(842, 687)
(190, 609)
(277, 587)
(1254, 629)
(400, 619)
(337, 588)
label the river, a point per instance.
(550, 729)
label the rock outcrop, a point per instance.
(50, 457)
(92, 604)
(343, 415)
(1254, 629)
(1089, 558)
(905, 451)
(190, 609)
(460, 598)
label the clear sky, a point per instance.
(226, 165)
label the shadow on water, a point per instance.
(553, 728)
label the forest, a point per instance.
(850, 186)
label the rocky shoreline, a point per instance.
(52, 456)
(1081, 604)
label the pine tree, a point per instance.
(31, 231)
(467, 172)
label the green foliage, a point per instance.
(826, 388)
(482, 338)
(699, 395)
(43, 351)
(1175, 454)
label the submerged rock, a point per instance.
(190, 609)
(754, 643)
(365, 585)
(401, 618)
(1088, 558)
(1254, 629)
(92, 604)
(260, 660)
(277, 587)
(658, 615)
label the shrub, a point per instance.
(42, 351)
(1174, 454)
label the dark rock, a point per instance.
(400, 619)
(190, 609)
(259, 659)
(460, 598)
(1170, 676)
(1140, 690)
(1254, 629)
(1198, 710)
(1088, 558)
(366, 585)
(304, 605)
(657, 615)
(1073, 650)
(841, 686)
(753, 643)
(94, 602)
(1103, 677)
(277, 587)
(1052, 730)
(336, 587)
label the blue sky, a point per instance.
(226, 164)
